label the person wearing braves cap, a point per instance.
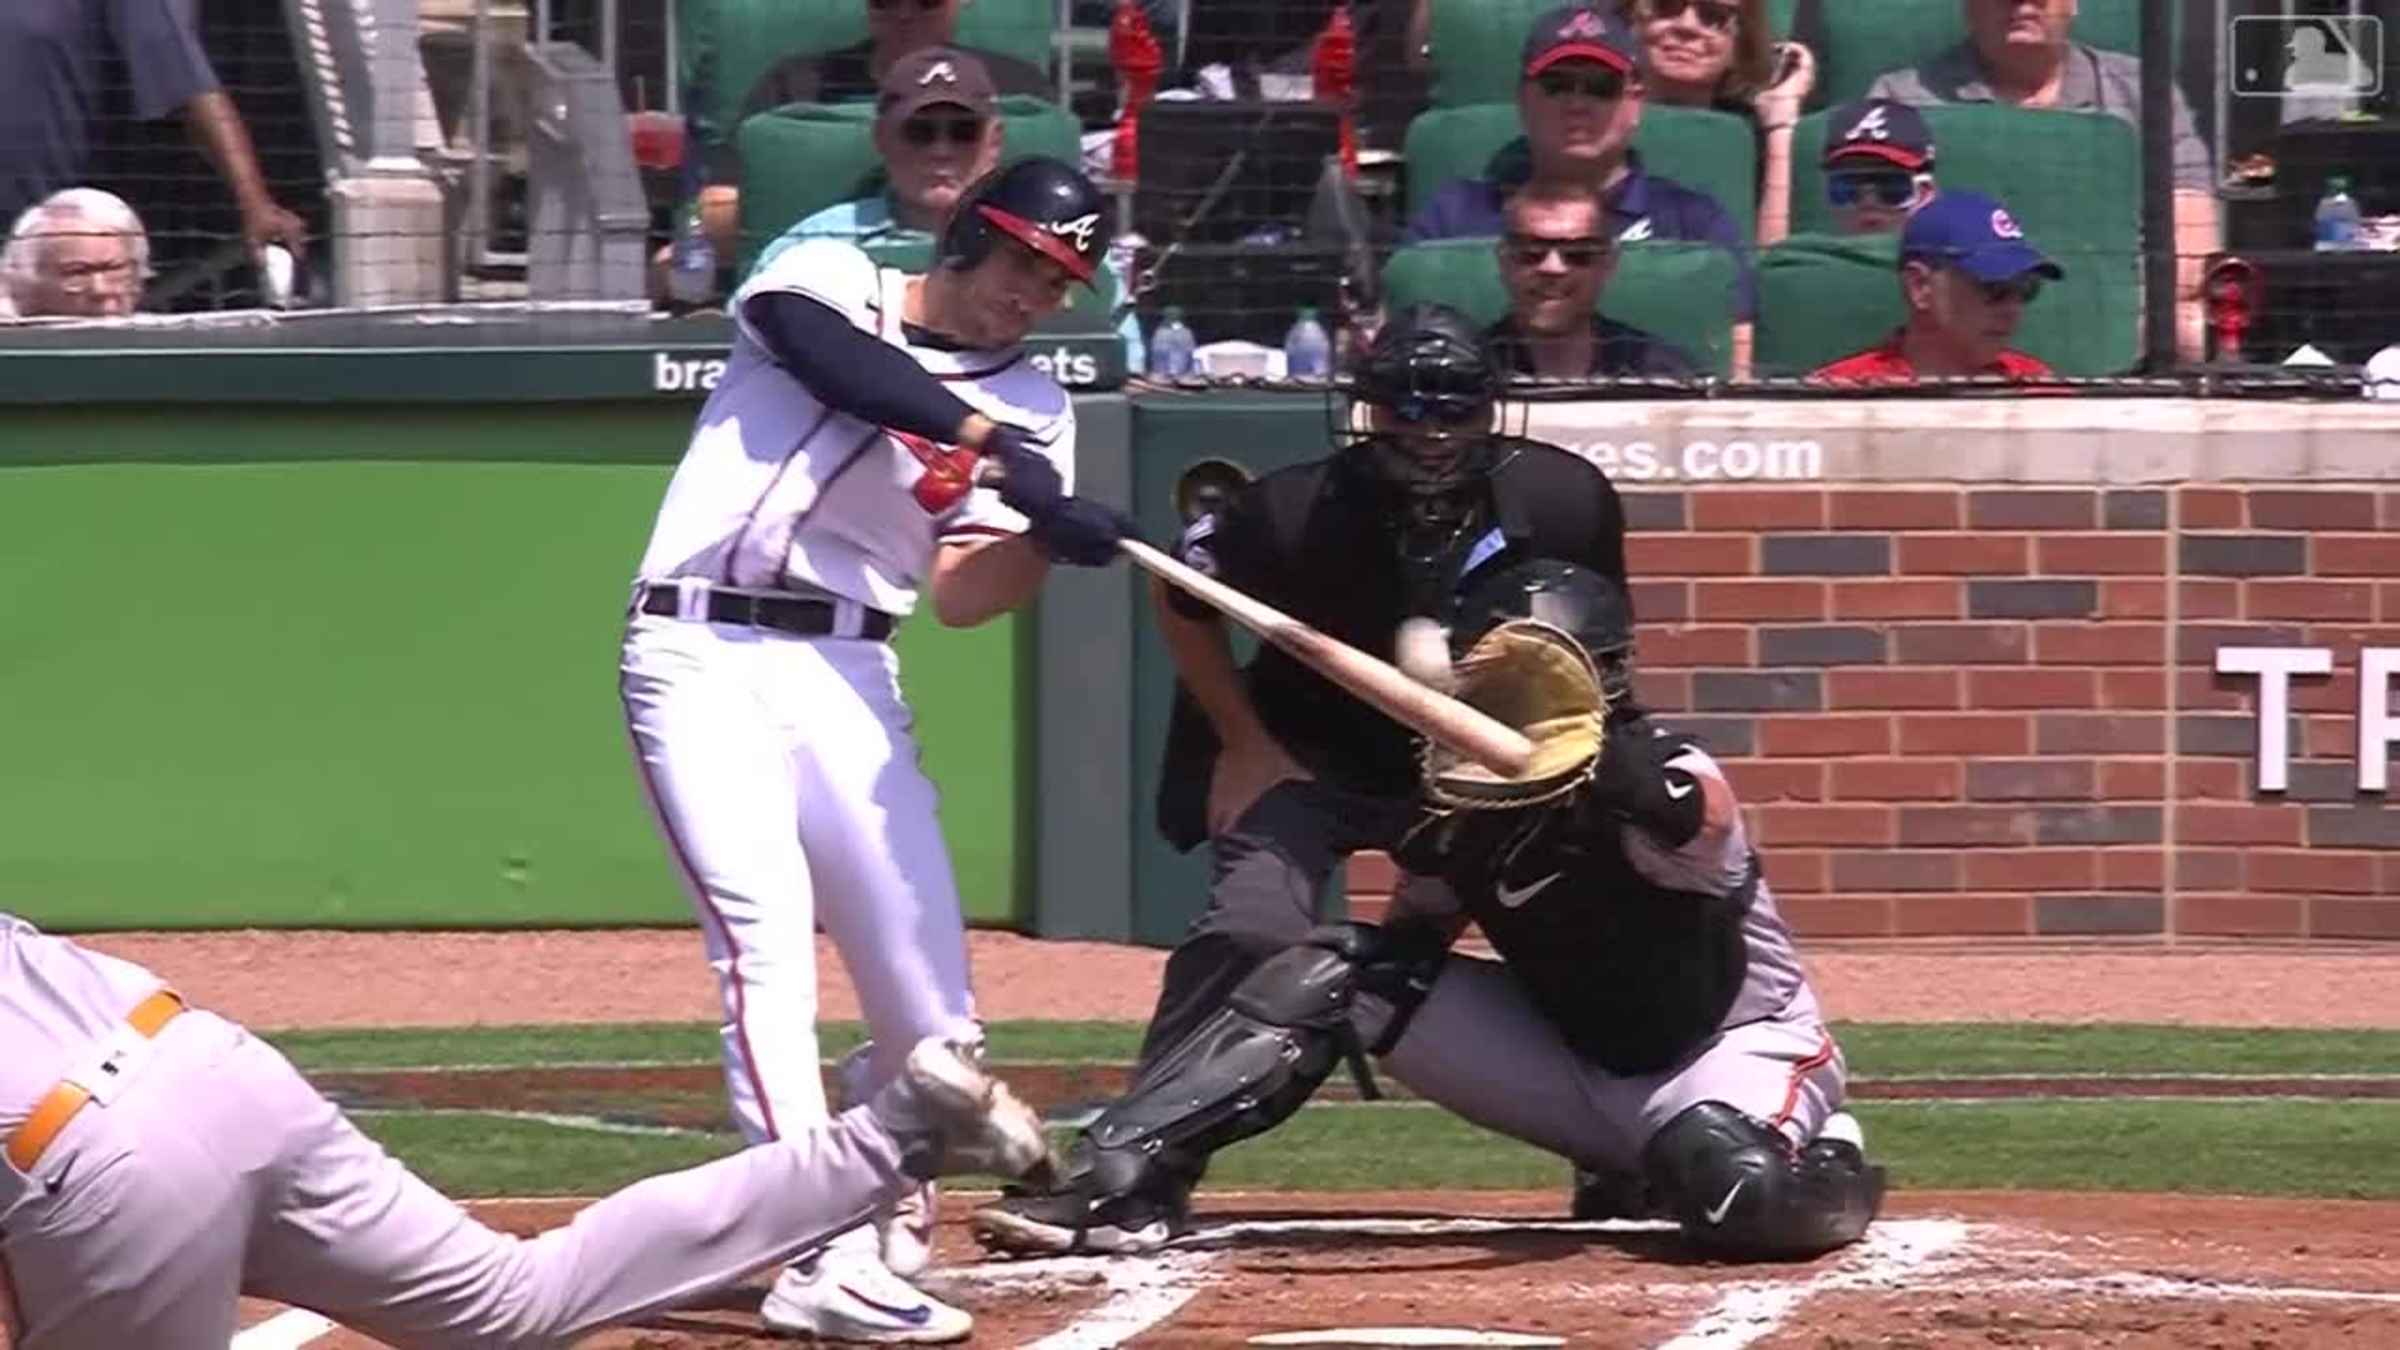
(1967, 273)
(833, 481)
(1878, 165)
(938, 128)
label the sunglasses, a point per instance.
(924, 131)
(923, 6)
(1527, 250)
(1883, 189)
(1715, 15)
(2020, 289)
(1599, 84)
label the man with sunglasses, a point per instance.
(1878, 165)
(1554, 262)
(938, 128)
(1280, 772)
(1966, 275)
(895, 29)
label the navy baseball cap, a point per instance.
(1879, 128)
(1974, 234)
(1581, 33)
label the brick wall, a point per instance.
(1995, 711)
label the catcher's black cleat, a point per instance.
(1060, 1222)
(1615, 1195)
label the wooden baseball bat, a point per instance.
(1385, 687)
(1486, 740)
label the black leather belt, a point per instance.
(794, 614)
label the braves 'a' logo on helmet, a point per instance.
(1079, 229)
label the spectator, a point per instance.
(2019, 51)
(1581, 100)
(53, 60)
(1723, 55)
(938, 128)
(78, 253)
(1555, 260)
(1966, 275)
(895, 28)
(1878, 165)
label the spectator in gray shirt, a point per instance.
(2019, 51)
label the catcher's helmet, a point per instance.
(1042, 203)
(1594, 609)
(1429, 369)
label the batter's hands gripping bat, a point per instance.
(1489, 742)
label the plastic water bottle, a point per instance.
(1307, 350)
(1171, 345)
(692, 264)
(2337, 217)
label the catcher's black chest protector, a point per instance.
(1633, 974)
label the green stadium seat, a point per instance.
(801, 158)
(1656, 287)
(1823, 297)
(727, 45)
(1858, 40)
(1711, 151)
(2079, 200)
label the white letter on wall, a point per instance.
(2377, 728)
(2275, 667)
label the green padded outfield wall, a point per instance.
(353, 665)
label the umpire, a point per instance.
(1282, 773)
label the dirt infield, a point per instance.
(1943, 1269)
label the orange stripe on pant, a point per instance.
(1800, 1071)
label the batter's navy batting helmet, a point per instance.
(1042, 203)
(1593, 608)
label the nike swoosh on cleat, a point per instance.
(915, 1317)
(1511, 898)
(1679, 796)
(1717, 1215)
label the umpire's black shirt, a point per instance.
(1321, 541)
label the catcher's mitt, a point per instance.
(1536, 678)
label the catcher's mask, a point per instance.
(1592, 608)
(1425, 401)
(1538, 679)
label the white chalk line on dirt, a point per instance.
(1890, 1251)
(2132, 1286)
(288, 1330)
(1141, 1293)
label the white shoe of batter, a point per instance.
(905, 1230)
(852, 1300)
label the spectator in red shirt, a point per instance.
(1966, 275)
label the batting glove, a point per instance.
(1029, 482)
(1080, 532)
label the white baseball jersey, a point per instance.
(777, 491)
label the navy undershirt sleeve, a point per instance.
(851, 371)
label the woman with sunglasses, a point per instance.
(1722, 54)
(1967, 273)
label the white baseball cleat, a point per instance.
(904, 1230)
(951, 1117)
(852, 1300)
(1843, 1126)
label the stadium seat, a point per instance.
(1699, 148)
(726, 45)
(1477, 46)
(1857, 40)
(1656, 287)
(799, 159)
(2072, 180)
(1822, 297)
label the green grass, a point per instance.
(1874, 1050)
(2297, 1148)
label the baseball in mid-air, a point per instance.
(1422, 651)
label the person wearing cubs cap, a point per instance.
(1878, 165)
(938, 128)
(1967, 272)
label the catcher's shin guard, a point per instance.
(1251, 1065)
(1740, 1191)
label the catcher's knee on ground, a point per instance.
(1255, 1061)
(1738, 1189)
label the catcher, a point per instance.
(1648, 1015)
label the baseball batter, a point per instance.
(830, 480)
(162, 1162)
(1648, 1015)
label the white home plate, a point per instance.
(1452, 1336)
